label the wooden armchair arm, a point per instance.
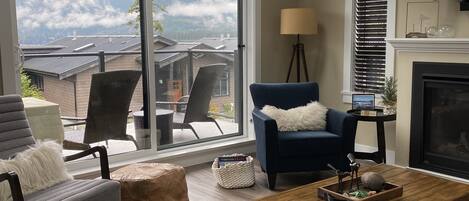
(103, 159)
(15, 186)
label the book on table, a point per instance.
(227, 160)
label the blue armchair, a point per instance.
(280, 152)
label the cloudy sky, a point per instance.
(76, 14)
(63, 14)
(214, 12)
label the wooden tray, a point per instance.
(390, 191)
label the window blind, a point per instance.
(370, 45)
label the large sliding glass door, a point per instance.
(197, 70)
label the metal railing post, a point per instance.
(102, 62)
(191, 70)
(238, 87)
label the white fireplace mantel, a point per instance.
(439, 45)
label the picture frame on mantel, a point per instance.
(420, 15)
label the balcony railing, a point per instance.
(101, 55)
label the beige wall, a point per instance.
(1, 81)
(324, 54)
(448, 14)
(276, 49)
(324, 51)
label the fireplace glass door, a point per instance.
(446, 124)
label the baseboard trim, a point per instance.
(390, 154)
(440, 175)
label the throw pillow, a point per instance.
(309, 117)
(39, 167)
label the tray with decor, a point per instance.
(331, 192)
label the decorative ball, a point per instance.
(372, 181)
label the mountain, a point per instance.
(40, 22)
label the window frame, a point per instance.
(37, 81)
(219, 89)
(349, 38)
(9, 49)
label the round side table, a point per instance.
(379, 117)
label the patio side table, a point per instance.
(164, 122)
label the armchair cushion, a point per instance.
(79, 190)
(308, 143)
(39, 167)
(308, 117)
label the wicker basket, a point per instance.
(237, 175)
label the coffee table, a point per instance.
(417, 186)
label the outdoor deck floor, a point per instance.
(204, 130)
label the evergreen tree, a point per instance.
(134, 9)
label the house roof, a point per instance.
(221, 43)
(164, 59)
(64, 67)
(177, 47)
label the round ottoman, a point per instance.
(152, 181)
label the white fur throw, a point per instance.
(309, 117)
(39, 167)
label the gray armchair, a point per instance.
(16, 136)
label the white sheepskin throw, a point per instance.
(309, 117)
(39, 167)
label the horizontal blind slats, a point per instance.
(370, 45)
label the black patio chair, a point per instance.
(195, 107)
(108, 108)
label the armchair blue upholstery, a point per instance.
(280, 152)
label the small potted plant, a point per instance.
(389, 97)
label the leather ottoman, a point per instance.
(152, 182)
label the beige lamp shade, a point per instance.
(300, 21)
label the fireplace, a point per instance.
(440, 118)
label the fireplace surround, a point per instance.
(439, 138)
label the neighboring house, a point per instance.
(66, 80)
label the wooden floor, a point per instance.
(416, 186)
(202, 185)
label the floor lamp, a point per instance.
(298, 21)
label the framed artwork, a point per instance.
(421, 14)
(363, 101)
